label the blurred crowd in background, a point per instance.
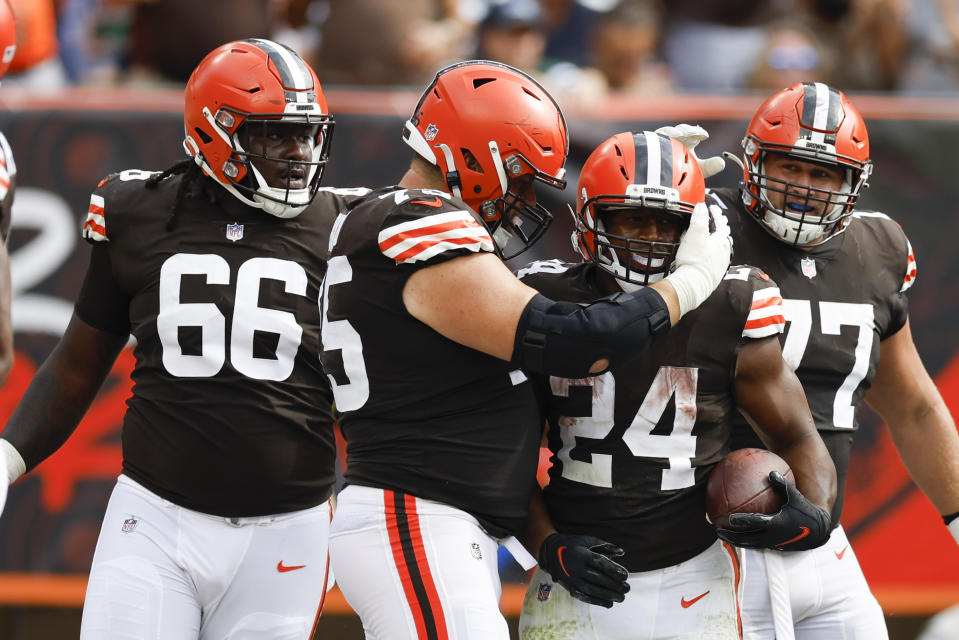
(580, 49)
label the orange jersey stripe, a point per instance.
(426, 244)
(397, 238)
(90, 224)
(766, 302)
(758, 323)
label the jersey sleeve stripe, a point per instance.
(426, 237)
(95, 226)
(765, 315)
(910, 278)
(428, 249)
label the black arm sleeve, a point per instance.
(101, 303)
(565, 339)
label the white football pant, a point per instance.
(821, 592)
(168, 573)
(415, 569)
(694, 600)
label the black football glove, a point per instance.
(582, 565)
(797, 526)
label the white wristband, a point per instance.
(954, 529)
(15, 464)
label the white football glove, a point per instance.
(12, 467)
(954, 529)
(691, 135)
(702, 258)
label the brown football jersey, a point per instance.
(840, 300)
(422, 414)
(230, 413)
(632, 448)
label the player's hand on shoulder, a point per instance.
(583, 565)
(797, 526)
(702, 258)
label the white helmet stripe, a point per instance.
(293, 71)
(821, 102)
(654, 159)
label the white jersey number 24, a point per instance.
(678, 447)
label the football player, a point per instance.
(8, 176)
(426, 335)
(632, 449)
(217, 527)
(843, 275)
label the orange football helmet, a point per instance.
(249, 81)
(644, 171)
(494, 132)
(815, 123)
(8, 36)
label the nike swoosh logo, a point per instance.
(436, 202)
(840, 554)
(803, 534)
(282, 568)
(559, 552)
(688, 603)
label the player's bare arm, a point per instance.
(771, 398)
(474, 300)
(920, 424)
(62, 390)
(786, 427)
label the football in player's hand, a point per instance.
(739, 483)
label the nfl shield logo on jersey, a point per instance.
(234, 232)
(476, 551)
(129, 525)
(542, 594)
(808, 267)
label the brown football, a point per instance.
(739, 483)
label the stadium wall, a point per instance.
(64, 143)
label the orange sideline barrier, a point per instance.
(67, 591)
(400, 102)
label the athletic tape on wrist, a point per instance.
(15, 464)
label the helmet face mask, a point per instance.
(496, 135)
(810, 124)
(631, 256)
(270, 172)
(232, 97)
(641, 181)
(517, 215)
